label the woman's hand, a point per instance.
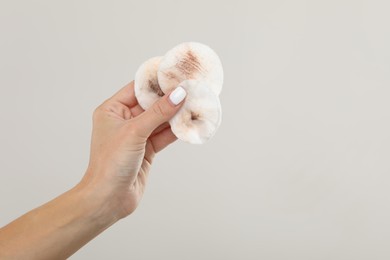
(125, 139)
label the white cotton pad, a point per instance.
(190, 60)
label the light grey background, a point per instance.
(299, 168)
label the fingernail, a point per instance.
(177, 95)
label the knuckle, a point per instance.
(96, 113)
(99, 111)
(159, 110)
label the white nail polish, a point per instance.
(177, 95)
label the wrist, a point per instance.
(96, 205)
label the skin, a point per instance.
(125, 139)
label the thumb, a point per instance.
(160, 112)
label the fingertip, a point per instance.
(177, 96)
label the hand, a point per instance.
(125, 139)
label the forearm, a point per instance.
(57, 229)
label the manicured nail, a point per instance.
(177, 95)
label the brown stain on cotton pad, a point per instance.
(170, 75)
(189, 64)
(153, 85)
(194, 116)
